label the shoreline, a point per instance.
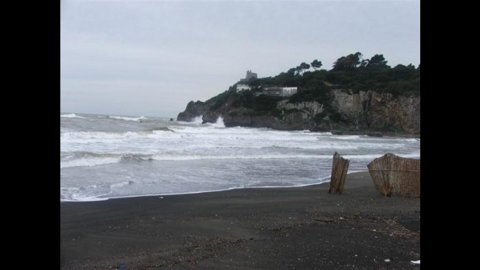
(254, 228)
(202, 192)
(324, 180)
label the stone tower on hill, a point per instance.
(250, 75)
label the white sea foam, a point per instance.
(121, 184)
(346, 137)
(198, 120)
(128, 118)
(88, 162)
(104, 157)
(82, 198)
(219, 123)
(96, 161)
(225, 157)
(98, 136)
(71, 115)
(76, 194)
(75, 198)
(281, 156)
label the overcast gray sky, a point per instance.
(151, 58)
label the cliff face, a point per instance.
(379, 111)
(366, 111)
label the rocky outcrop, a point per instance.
(369, 112)
(194, 109)
(249, 119)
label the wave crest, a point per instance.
(137, 119)
(70, 115)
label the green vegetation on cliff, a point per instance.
(352, 72)
(386, 98)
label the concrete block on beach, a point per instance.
(392, 174)
(339, 173)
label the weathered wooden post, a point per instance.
(392, 174)
(339, 173)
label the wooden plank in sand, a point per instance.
(339, 173)
(392, 174)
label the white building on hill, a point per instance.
(280, 91)
(242, 87)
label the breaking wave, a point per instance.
(71, 115)
(128, 118)
(114, 156)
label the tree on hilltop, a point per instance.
(316, 64)
(377, 61)
(348, 63)
(303, 66)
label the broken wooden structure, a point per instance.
(392, 174)
(339, 173)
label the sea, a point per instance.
(114, 156)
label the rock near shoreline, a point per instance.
(364, 112)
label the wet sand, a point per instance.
(277, 228)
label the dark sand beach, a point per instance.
(277, 228)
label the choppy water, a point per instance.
(118, 156)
